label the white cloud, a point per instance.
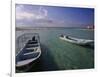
(19, 8)
(21, 14)
(43, 11)
(24, 15)
(37, 17)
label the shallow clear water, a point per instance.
(61, 55)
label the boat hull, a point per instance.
(28, 66)
(77, 41)
(29, 54)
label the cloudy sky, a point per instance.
(51, 16)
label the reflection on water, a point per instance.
(46, 61)
(61, 55)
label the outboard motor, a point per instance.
(33, 38)
(67, 36)
(62, 35)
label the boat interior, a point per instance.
(29, 50)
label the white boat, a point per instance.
(76, 40)
(29, 53)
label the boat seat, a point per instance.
(35, 45)
(31, 45)
(29, 50)
(32, 42)
(29, 53)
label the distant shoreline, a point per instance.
(88, 29)
(38, 28)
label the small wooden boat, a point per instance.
(29, 53)
(76, 40)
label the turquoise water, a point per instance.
(61, 55)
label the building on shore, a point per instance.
(90, 27)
